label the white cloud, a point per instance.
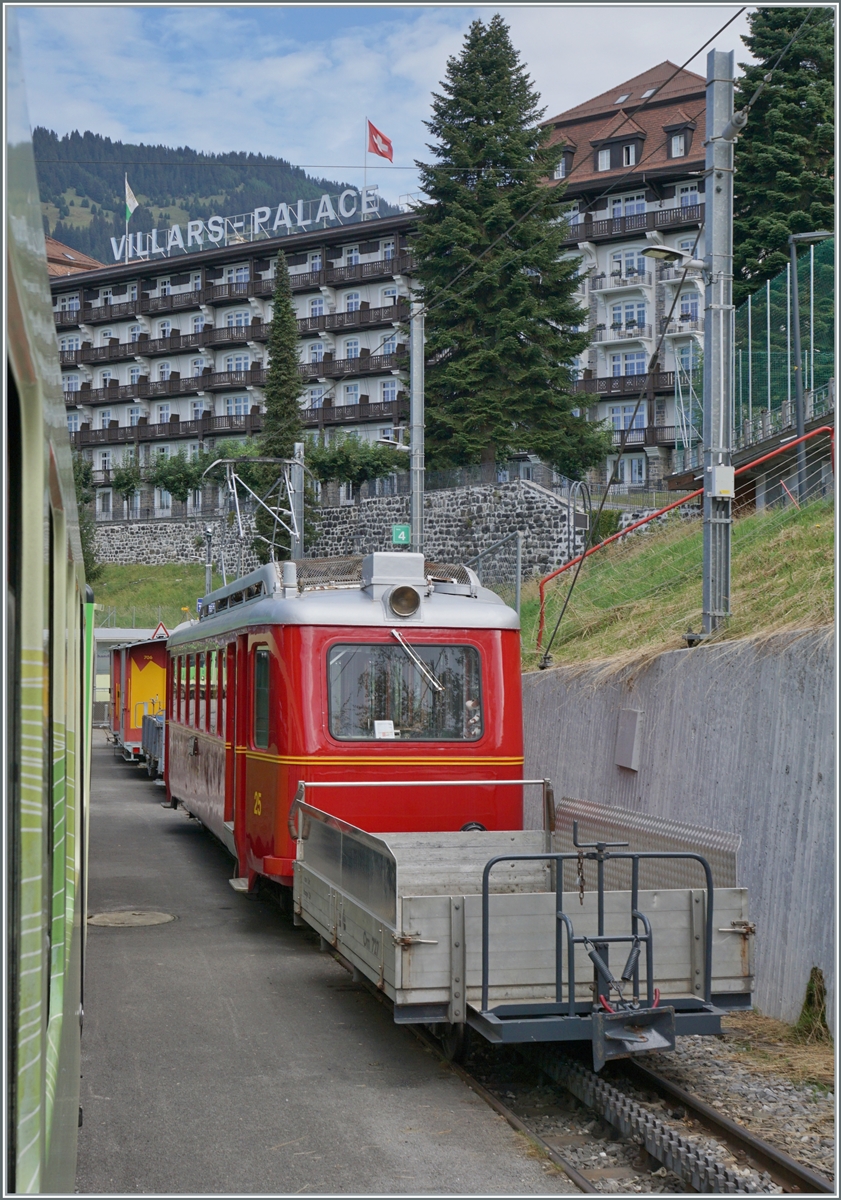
(270, 79)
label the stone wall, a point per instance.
(459, 524)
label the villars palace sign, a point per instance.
(347, 208)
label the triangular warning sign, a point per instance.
(161, 631)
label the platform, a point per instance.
(222, 1053)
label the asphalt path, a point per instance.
(223, 1053)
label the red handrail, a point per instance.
(676, 504)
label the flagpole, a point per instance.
(126, 176)
(365, 164)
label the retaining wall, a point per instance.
(458, 523)
(736, 737)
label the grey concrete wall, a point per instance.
(737, 737)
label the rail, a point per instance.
(787, 445)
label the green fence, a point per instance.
(764, 339)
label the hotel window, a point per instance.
(316, 397)
(162, 452)
(163, 417)
(388, 250)
(316, 352)
(317, 307)
(134, 333)
(73, 422)
(164, 329)
(236, 275)
(105, 336)
(68, 304)
(193, 453)
(561, 169)
(134, 415)
(198, 324)
(351, 393)
(237, 362)
(689, 307)
(164, 370)
(389, 296)
(199, 409)
(106, 295)
(164, 287)
(164, 499)
(631, 314)
(352, 348)
(239, 320)
(71, 383)
(678, 145)
(389, 391)
(628, 364)
(104, 418)
(197, 281)
(353, 302)
(389, 344)
(105, 378)
(628, 206)
(637, 470)
(197, 366)
(387, 433)
(629, 155)
(134, 504)
(622, 417)
(628, 263)
(688, 193)
(315, 262)
(134, 375)
(604, 160)
(236, 406)
(689, 357)
(574, 215)
(132, 291)
(71, 343)
(128, 456)
(352, 256)
(104, 496)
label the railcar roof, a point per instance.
(351, 591)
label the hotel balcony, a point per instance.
(622, 385)
(622, 333)
(613, 283)
(589, 230)
(650, 435)
(679, 326)
(366, 364)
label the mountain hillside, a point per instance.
(81, 181)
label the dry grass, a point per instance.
(635, 599)
(775, 1048)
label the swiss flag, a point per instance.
(378, 143)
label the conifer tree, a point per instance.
(784, 159)
(282, 425)
(502, 336)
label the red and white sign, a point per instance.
(160, 632)
(378, 143)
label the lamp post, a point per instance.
(416, 421)
(208, 560)
(800, 415)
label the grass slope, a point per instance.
(640, 596)
(139, 596)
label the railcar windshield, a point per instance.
(379, 692)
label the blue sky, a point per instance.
(298, 81)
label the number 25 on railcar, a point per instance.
(372, 678)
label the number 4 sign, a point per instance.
(401, 535)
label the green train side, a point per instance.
(49, 656)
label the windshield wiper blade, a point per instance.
(419, 663)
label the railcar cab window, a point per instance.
(380, 691)
(261, 699)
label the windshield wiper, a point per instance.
(419, 663)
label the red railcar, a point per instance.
(382, 669)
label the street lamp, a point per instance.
(682, 257)
(800, 415)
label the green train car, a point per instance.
(49, 666)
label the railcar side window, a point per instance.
(201, 689)
(191, 690)
(261, 699)
(212, 690)
(223, 692)
(379, 691)
(174, 665)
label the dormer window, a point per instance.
(561, 169)
(629, 155)
(604, 160)
(678, 145)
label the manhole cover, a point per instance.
(133, 917)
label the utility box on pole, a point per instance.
(416, 424)
(718, 340)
